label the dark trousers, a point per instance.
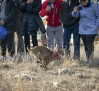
(20, 46)
(0, 42)
(88, 44)
(27, 40)
(9, 41)
(76, 39)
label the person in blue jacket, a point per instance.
(88, 25)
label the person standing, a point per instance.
(51, 9)
(7, 19)
(88, 25)
(31, 21)
(20, 46)
(70, 25)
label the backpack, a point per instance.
(97, 37)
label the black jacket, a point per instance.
(65, 14)
(10, 13)
(31, 20)
(18, 2)
(18, 17)
(0, 4)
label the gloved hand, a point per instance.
(43, 36)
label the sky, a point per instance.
(43, 0)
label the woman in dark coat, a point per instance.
(31, 21)
(7, 19)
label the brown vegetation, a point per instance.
(64, 75)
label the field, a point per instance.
(63, 75)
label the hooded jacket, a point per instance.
(65, 14)
(31, 20)
(53, 15)
(10, 13)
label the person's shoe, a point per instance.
(80, 63)
(76, 58)
(2, 57)
(67, 56)
(19, 59)
(9, 58)
(87, 61)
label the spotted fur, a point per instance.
(45, 55)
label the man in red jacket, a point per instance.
(51, 9)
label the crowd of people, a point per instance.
(64, 17)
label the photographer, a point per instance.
(51, 9)
(88, 25)
(20, 46)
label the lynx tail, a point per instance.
(28, 49)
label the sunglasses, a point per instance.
(82, 0)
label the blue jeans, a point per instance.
(76, 39)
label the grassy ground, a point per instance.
(64, 75)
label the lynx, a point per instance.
(45, 55)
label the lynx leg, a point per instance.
(44, 64)
(39, 60)
(41, 65)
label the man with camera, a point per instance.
(70, 25)
(51, 9)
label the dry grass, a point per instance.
(66, 75)
(44, 21)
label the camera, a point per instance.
(79, 8)
(49, 3)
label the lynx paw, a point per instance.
(45, 69)
(38, 61)
(41, 66)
